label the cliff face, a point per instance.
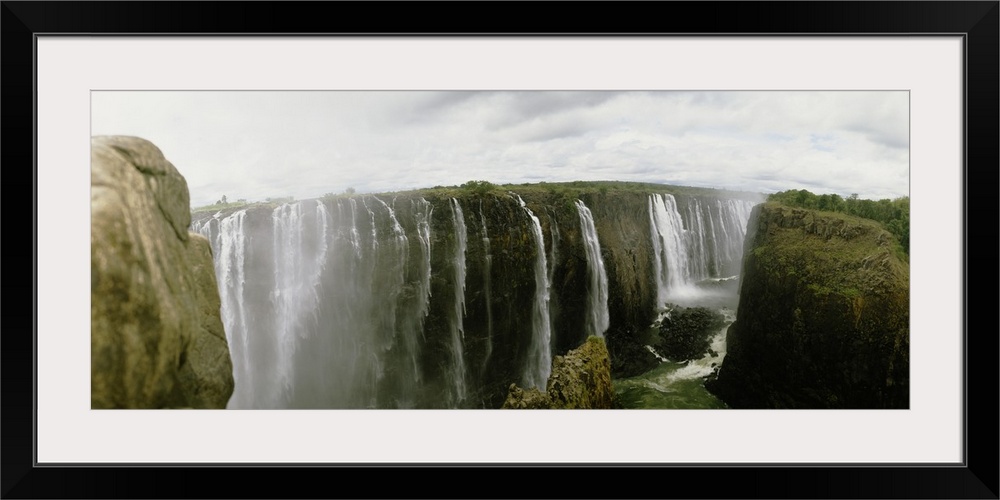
(823, 318)
(430, 298)
(581, 379)
(157, 339)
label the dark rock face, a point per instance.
(629, 354)
(580, 379)
(686, 333)
(823, 319)
(157, 339)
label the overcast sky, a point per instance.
(256, 145)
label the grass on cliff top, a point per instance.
(893, 214)
(833, 264)
(900, 242)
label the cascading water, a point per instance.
(669, 246)
(353, 367)
(408, 328)
(553, 259)
(228, 241)
(539, 363)
(717, 228)
(396, 254)
(353, 236)
(328, 304)
(422, 210)
(598, 318)
(457, 328)
(703, 239)
(487, 265)
(299, 258)
(332, 326)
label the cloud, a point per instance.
(259, 144)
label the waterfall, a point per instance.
(553, 259)
(326, 323)
(487, 265)
(734, 215)
(328, 304)
(392, 261)
(457, 328)
(694, 241)
(354, 237)
(229, 271)
(341, 364)
(422, 211)
(410, 327)
(597, 286)
(670, 252)
(209, 228)
(299, 257)
(539, 363)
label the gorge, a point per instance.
(569, 295)
(387, 301)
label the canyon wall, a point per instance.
(444, 297)
(823, 318)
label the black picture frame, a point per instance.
(978, 23)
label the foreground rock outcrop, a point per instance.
(157, 339)
(823, 319)
(580, 379)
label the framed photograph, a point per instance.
(927, 68)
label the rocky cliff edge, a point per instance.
(823, 318)
(157, 339)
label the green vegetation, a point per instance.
(829, 252)
(894, 215)
(479, 188)
(555, 194)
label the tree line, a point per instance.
(894, 214)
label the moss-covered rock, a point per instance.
(580, 379)
(823, 319)
(156, 333)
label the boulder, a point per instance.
(157, 339)
(686, 332)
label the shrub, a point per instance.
(479, 188)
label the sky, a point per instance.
(256, 145)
